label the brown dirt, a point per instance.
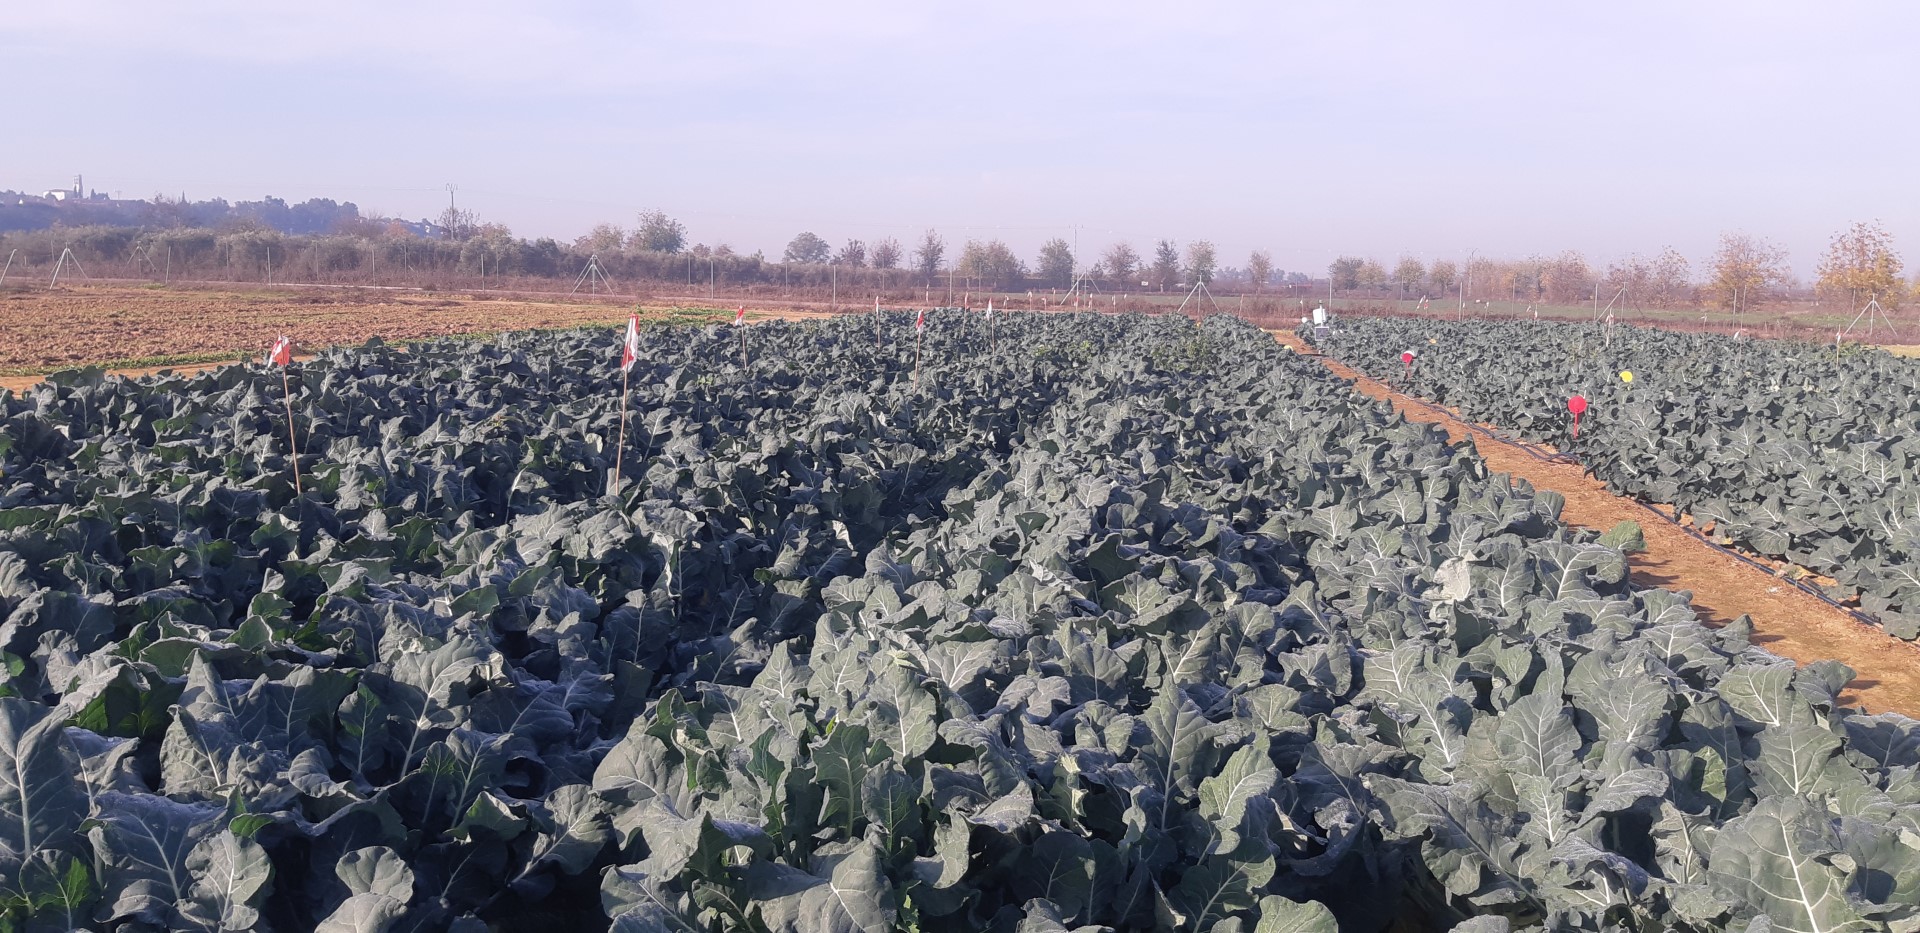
(47, 329)
(1786, 621)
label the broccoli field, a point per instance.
(1050, 622)
(1798, 452)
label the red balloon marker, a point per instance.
(1407, 358)
(1577, 405)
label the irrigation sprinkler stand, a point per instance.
(593, 276)
(1199, 288)
(1873, 311)
(1608, 310)
(66, 256)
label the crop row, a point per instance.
(1121, 623)
(1807, 454)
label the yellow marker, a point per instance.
(1626, 375)
(1433, 341)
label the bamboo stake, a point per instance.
(293, 446)
(620, 448)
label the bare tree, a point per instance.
(928, 257)
(1372, 275)
(886, 253)
(458, 223)
(1566, 278)
(1629, 279)
(1670, 280)
(1201, 262)
(1122, 264)
(853, 254)
(1409, 274)
(1345, 272)
(1260, 269)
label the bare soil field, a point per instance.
(131, 327)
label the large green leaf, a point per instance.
(41, 801)
(1780, 858)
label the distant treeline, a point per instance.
(328, 242)
(21, 212)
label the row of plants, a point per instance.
(1800, 452)
(1047, 622)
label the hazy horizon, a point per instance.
(1312, 132)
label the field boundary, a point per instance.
(1787, 619)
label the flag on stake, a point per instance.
(1407, 358)
(282, 356)
(1577, 405)
(989, 307)
(630, 349)
(920, 321)
(740, 316)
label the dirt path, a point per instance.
(1786, 620)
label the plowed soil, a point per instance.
(1786, 621)
(42, 330)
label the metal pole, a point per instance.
(9, 267)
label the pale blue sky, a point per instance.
(1310, 130)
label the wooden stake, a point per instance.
(620, 448)
(293, 446)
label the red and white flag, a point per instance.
(920, 321)
(740, 316)
(630, 350)
(282, 352)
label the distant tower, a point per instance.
(77, 193)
